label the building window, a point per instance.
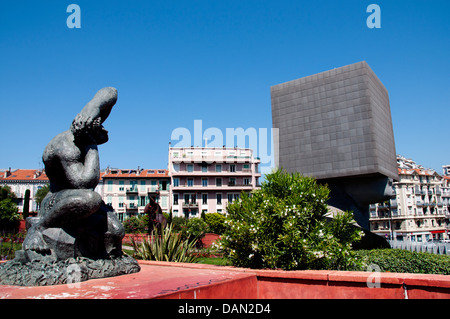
(109, 200)
(176, 182)
(121, 186)
(218, 168)
(204, 199)
(204, 169)
(204, 182)
(164, 201)
(219, 199)
(142, 199)
(190, 182)
(232, 168)
(218, 182)
(232, 181)
(110, 186)
(153, 186)
(190, 198)
(175, 199)
(190, 168)
(246, 181)
(232, 197)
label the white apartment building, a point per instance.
(419, 209)
(206, 179)
(20, 180)
(128, 191)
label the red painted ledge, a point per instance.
(166, 280)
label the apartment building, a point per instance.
(419, 208)
(129, 190)
(207, 179)
(20, 180)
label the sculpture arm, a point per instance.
(84, 174)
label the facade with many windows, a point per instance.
(419, 209)
(207, 179)
(129, 190)
(20, 180)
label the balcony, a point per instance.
(190, 205)
(214, 159)
(154, 190)
(132, 190)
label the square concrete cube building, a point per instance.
(334, 124)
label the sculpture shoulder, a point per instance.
(61, 148)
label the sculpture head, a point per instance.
(87, 126)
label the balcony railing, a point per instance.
(132, 190)
(190, 205)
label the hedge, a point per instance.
(404, 261)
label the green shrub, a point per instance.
(167, 247)
(134, 224)
(283, 225)
(9, 216)
(179, 223)
(216, 222)
(404, 261)
(196, 228)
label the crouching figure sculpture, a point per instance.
(74, 226)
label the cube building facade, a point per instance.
(334, 124)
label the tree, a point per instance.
(41, 193)
(26, 205)
(6, 192)
(283, 225)
(9, 215)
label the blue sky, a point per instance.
(174, 62)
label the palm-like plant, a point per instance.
(168, 246)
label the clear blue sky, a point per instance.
(174, 62)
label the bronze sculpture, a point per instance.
(74, 226)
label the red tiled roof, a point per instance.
(24, 175)
(411, 171)
(36, 175)
(132, 173)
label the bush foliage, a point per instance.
(404, 261)
(283, 225)
(135, 224)
(216, 222)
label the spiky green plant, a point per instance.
(169, 246)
